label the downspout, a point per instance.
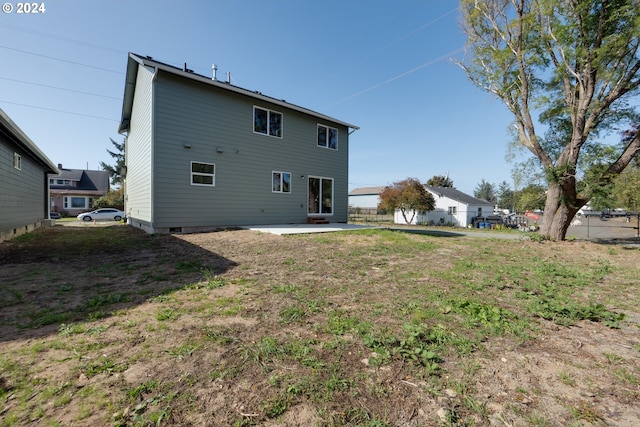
(152, 131)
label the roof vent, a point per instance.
(214, 68)
(186, 70)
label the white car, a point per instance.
(104, 214)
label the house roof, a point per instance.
(457, 195)
(88, 180)
(68, 174)
(366, 191)
(448, 192)
(130, 82)
(15, 134)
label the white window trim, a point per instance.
(282, 182)
(328, 128)
(17, 161)
(253, 122)
(333, 196)
(212, 175)
(66, 202)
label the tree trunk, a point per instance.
(404, 215)
(558, 213)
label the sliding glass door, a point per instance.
(320, 196)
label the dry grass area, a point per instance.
(111, 326)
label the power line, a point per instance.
(405, 36)
(52, 36)
(404, 74)
(59, 88)
(69, 40)
(59, 111)
(61, 60)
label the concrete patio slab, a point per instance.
(307, 228)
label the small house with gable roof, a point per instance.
(452, 207)
(24, 187)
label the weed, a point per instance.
(566, 378)
(103, 364)
(537, 419)
(496, 319)
(97, 330)
(613, 359)
(292, 314)
(167, 313)
(213, 281)
(102, 300)
(627, 377)
(418, 346)
(339, 324)
(45, 317)
(143, 389)
(480, 408)
(586, 411)
(336, 383)
(223, 338)
(184, 350)
(228, 306)
(284, 289)
(567, 312)
(66, 330)
(276, 407)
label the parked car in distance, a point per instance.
(104, 214)
(54, 215)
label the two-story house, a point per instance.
(73, 190)
(201, 153)
(24, 187)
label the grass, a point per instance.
(371, 328)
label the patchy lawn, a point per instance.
(111, 326)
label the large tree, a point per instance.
(116, 172)
(570, 67)
(486, 191)
(440, 181)
(408, 196)
(506, 198)
(530, 198)
(626, 190)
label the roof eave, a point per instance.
(27, 144)
(129, 90)
(135, 60)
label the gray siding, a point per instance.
(23, 193)
(218, 125)
(138, 182)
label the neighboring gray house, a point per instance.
(452, 207)
(365, 199)
(73, 190)
(201, 154)
(24, 185)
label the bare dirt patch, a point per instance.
(110, 326)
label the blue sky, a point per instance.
(383, 65)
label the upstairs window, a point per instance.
(203, 174)
(281, 182)
(267, 122)
(56, 181)
(327, 137)
(17, 161)
(452, 210)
